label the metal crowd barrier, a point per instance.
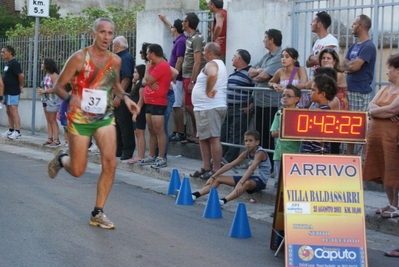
(261, 117)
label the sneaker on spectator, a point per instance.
(6, 133)
(101, 220)
(54, 166)
(159, 163)
(177, 137)
(147, 161)
(221, 202)
(171, 136)
(14, 135)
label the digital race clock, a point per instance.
(326, 125)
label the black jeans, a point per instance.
(125, 139)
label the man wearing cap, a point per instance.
(176, 61)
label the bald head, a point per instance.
(213, 48)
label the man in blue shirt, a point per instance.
(359, 66)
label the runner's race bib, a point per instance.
(94, 101)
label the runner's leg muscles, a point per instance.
(106, 141)
(75, 163)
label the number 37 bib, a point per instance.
(94, 101)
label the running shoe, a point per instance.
(159, 163)
(54, 165)
(14, 135)
(101, 220)
(147, 161)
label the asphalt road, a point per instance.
(44, 222)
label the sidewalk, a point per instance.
(186, 159)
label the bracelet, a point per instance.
(213, 177)
(124, 95)
(68, 98)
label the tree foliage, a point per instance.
(72, 24)
(7, 21)
(204, 4)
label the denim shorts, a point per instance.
(11, 100)
(260, 185)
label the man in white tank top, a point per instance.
(209, 101)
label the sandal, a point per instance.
(49, 141)
(133, 160)
(207, 175)
(198, 174)
(381, 210)
(55, 143)
(394, 253)
(193, 140)
(390, 214)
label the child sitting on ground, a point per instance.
(289, 99)
(256, 156)
(324, 89)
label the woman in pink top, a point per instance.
(291, 73)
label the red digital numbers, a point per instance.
(324, 125)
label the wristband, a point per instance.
(68, 98)
(1, 97)
(124, 95)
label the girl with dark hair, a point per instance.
(51, 102)
(291, 73)
(329, 58)
(139, 120)
(143, 51)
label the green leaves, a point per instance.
(72, 24)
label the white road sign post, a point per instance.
(36, 8)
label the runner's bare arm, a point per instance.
(72, 66)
